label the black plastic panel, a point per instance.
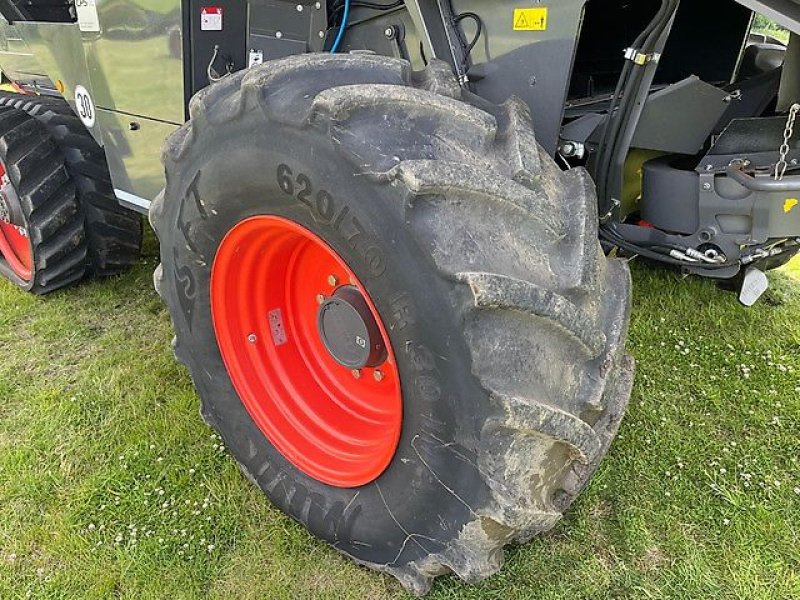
(280, 28)
(232, 40)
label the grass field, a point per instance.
(112, 487)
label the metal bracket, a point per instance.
(640, 58)
(440, 38)
(754, 286)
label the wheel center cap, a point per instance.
(349, 331)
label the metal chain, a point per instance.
(783, 165)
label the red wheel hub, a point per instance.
(15, 244)
(306, 351)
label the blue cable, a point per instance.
(345, 16)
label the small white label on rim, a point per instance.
(256, 58)
(211, 18)
(276, 327)
(87, 15)
(84, 106)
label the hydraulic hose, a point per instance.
(644, 43)
(610, 235)
(622, 84)
(342, 28)
(625, 98)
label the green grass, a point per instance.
(780, 34)
(763, 25)
(111, 486)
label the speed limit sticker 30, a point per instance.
(84, 106)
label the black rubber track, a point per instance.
(114, 233)
(51, 210)
(483, 260)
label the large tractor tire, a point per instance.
(395, 308)
(42, 242)
(113, 233)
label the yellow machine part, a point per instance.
(632, 182)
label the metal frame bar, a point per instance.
(783, 12)
(441, 39)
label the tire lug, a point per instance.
(378, 375)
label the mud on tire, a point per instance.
(482, 258)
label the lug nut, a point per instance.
(378, 375)
(252, 338)
(320, 299)
(356, 373)
(333, 280)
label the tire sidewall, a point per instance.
(426, 493)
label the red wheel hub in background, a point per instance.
(291, 320)
(15, 245)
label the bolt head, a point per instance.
(333, 280)
(356, 373)
(707, 187)
(299, 8)
(252, 338)
(389, 32)
(320, 299)
(378, 375)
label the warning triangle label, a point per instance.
(530, 19)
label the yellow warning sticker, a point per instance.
(790, 204)
(530, 19)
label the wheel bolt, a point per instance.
(252, 338)
(320, 299)
(356, 373)
(333, 280)
(378, 375)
